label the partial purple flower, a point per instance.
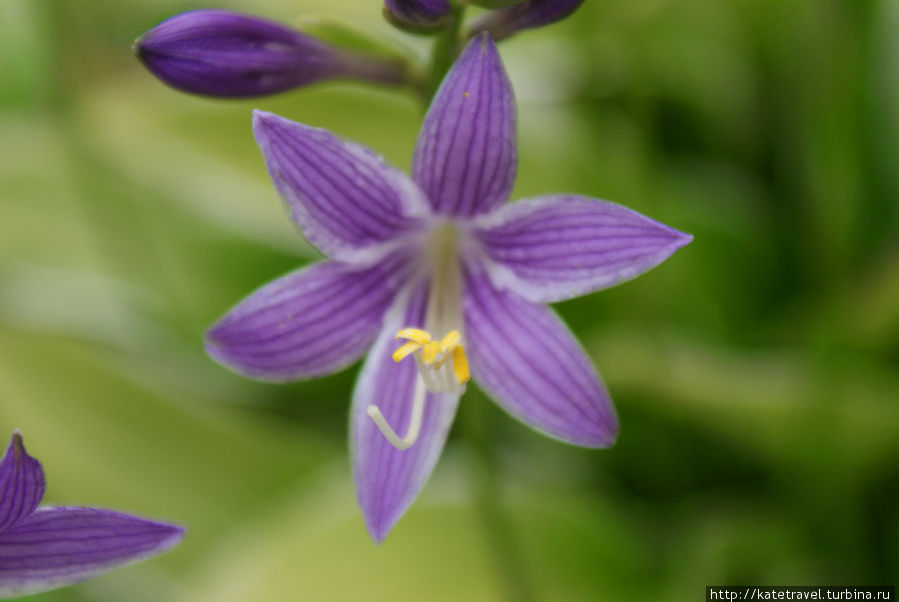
(231, 55)
(417, 13)
(442, 263)
(530, 14)
(51, 547)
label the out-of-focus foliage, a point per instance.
(755, 372)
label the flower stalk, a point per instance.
(499, 532)
(447, 46)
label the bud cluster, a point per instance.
(225, 54)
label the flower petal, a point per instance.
(559, 247)
(22, 483)
(55, 547)
(388, 479)
(346, 199)
(466, 159)
(308, 323)
(529, 362)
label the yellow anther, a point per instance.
(451, 339)
(429, 352)
(430, 357)
(406, 350)
(414, 334)
(460, 365)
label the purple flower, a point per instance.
(440, 262)
(507, 21)
(417, 13)
(49, 547)
(226, 54)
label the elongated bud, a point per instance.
(231, 55)
(507, 21)
(419, 16)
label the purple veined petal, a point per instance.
(465, 160)
(507, 21)
(55, 547)
(388, 479)
(22, 483)
(309, 323)
(525, 357)
(346, 199)
(559, 247)
(418, 12)
(231, 55)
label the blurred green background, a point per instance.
(755, 373)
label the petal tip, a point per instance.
(136, 48)
(679, 240)
(167, 536)
(266, 121)
(16, 443)
(608, 438)
(602, 434)
(262, 119)
(378, 530)
(215, 348)
(684, 239)
(259, 114)
(265, 124)
(174, 536)
(16, 447)
(379, 520)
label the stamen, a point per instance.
(460, 365)
(426, 375)
(437, 375)
(451, 339)
(429, 352)
(430, 358)
(413, 334)
(406, 350)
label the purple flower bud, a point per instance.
(507, 21)
(416, 14)
(226, 54)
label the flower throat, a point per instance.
(442, 365)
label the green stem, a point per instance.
(498, 529)
(446, 48)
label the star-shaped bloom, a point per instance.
(50, 547)
(440, 262)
